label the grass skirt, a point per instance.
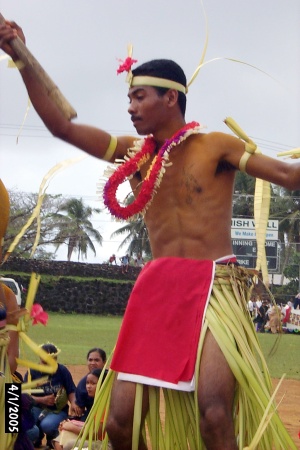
(257, 424)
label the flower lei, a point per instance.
(153, 177)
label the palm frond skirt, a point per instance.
(172, 422)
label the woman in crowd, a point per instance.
(70, 429)
(96, 359)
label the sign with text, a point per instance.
(245, 229)
(246, 253)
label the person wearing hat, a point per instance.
(51, 406)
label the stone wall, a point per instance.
(69, 268)
(64, 291)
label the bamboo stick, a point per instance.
(29, 60)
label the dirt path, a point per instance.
(289, 408)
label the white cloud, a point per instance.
(78, 42)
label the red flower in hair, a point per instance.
(38, 315)
(125, 66)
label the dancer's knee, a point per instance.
(119, 433)
(214, 419)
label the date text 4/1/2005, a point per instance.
(12, 407)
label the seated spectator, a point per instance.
(69, 429)
(96, 359)
(28, 432)
(51, 407)
(112, 259)
(124, 263)
(139, 262)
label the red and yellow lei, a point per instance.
(153, 178)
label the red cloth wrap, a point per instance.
(161, 327)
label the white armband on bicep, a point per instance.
(249, 150)
(250, 146)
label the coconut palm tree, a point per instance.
(286, 207)
(137, 239)
(76, 229)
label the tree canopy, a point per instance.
(63, 221)
(75, 228)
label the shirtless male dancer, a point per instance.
(189, 217)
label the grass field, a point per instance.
(75, 334)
